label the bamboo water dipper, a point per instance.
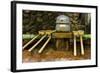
(75, 33)
(44, 45)
(37, 43)
(81, 33)
(30, 42)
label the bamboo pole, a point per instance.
(29, 42)
(37, 43)
(30, 36)
(44, 45)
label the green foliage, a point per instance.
(33, 21)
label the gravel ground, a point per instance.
(53, 55)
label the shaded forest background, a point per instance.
(33, 21)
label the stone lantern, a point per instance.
(63, 34)
(63, 23)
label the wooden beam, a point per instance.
(62, 35)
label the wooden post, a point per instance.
(29, 42)
(44, 45)
(37, 43)
(67, 44)
(59, 43)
